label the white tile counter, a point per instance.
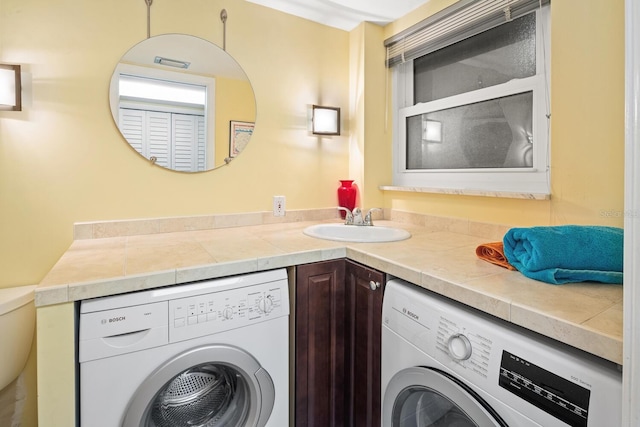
(122, 256)
(440, 256)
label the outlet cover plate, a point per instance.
(279, 205)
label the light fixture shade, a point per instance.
(431, 131)
(10, 88)
(325, 120)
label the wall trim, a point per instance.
(631, 296)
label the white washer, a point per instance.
(211, 353)
(446, 364)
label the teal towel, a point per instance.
(566, 253)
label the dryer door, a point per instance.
(428, 397)
(208, 386)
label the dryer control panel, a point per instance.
(214, 312)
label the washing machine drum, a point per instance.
(209, 386)
(428, 397)
(207, 395)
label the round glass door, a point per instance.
(424, 407)
(426, 397)
(209, 386)
(207, 395)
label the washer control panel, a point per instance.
(468, 347)
(456, 341)
(213, 312)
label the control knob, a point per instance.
(227, 313)
(459, 347)
(265, 305)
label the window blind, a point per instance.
(457, 22)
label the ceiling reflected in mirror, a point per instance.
(175, 97)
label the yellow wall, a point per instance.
(587, 125)
(370, 126)
(62, 159)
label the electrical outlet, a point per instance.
(279, 205)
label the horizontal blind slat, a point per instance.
(452, 26)
(442, 29)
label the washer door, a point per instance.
(209, 386)
(428, 397)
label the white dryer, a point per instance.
(446, 364)
(210, 353)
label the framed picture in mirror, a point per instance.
(239, 135)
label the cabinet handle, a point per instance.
(374, 285)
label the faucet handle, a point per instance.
(349, 215)
(367, 218)
(357, 216)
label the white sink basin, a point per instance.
(356, 233)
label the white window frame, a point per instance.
(535, 179)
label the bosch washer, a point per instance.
(211, 353)
(446, 364)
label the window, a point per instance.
(162, 91)
(474, 115)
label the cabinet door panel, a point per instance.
(320, 346)
(364, 323)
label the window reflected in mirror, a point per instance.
(165, 121)
(173, 98)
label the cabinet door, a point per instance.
(364, 291)
(320, 344)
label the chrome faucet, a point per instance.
(355, 217)
(348, 218)
(367, 217)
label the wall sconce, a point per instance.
(431, 131)
(10, 88)
(325, 120)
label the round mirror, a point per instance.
(182, 102)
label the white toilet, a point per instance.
(17, 326)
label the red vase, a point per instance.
(346, 196)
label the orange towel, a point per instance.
(493, 253)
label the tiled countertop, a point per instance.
(442, 259)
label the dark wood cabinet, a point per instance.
(320, 344)
(364, 291)
(338, 325)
